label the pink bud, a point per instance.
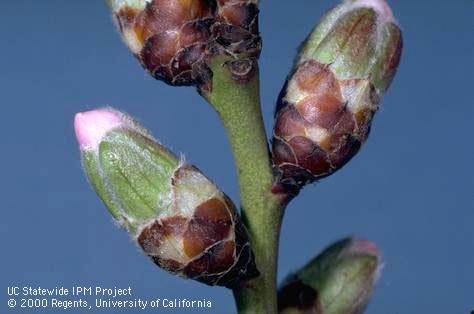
(91, 126)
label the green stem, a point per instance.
(237, 101)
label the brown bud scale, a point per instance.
(316, 130)
(207, 243)
(298, 297)
(173, 39)
(236, 28)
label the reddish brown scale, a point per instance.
(283, 153)
(170, 38)
(309, 156)
(239, 13)
(210, 224)
(173, 39)
(349, 148)
(151, 237)
(317, 78)
(242, 263)
(315, 133)
(176, 58)
(322, 110)
(160, 49)
(167, 264)
(214, 261)
(221, 256)
(126, 18)
(290, 122)
(214, 244)
(299, 297)
(363, 117)
(236, 29)
(170, 16)
(291, 173)
(236, 14)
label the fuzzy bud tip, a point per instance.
(365, 247)
(91, 126)
(379, 6)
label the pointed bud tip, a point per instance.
(361, 246)
(379, 6)
(91, 126)
(366, 247)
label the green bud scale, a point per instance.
(325, 110)
(338, 281)
(175, 214)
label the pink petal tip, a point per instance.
(91, 126)
(364, 246)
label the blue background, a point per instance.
(410, 189)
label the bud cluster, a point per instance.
(325, 110)
(173, 39)
(175, 214)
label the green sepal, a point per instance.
(349, 45)
(91, 165)
(344, 278)
(132, 174)
(356, 42)
(385, 67)
(139, 171)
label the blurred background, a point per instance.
(410, 189)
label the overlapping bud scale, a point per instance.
(173, 39)
(325, 110)
(175, 214)
(236, 28)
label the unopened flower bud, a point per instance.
(339, 281)
(173, 39)
(169, 37)
(325, 109)
(174, 213)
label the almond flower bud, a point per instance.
(325, 109)
(173, 39)
(339, 281)
(169, 37)
(175, 214)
